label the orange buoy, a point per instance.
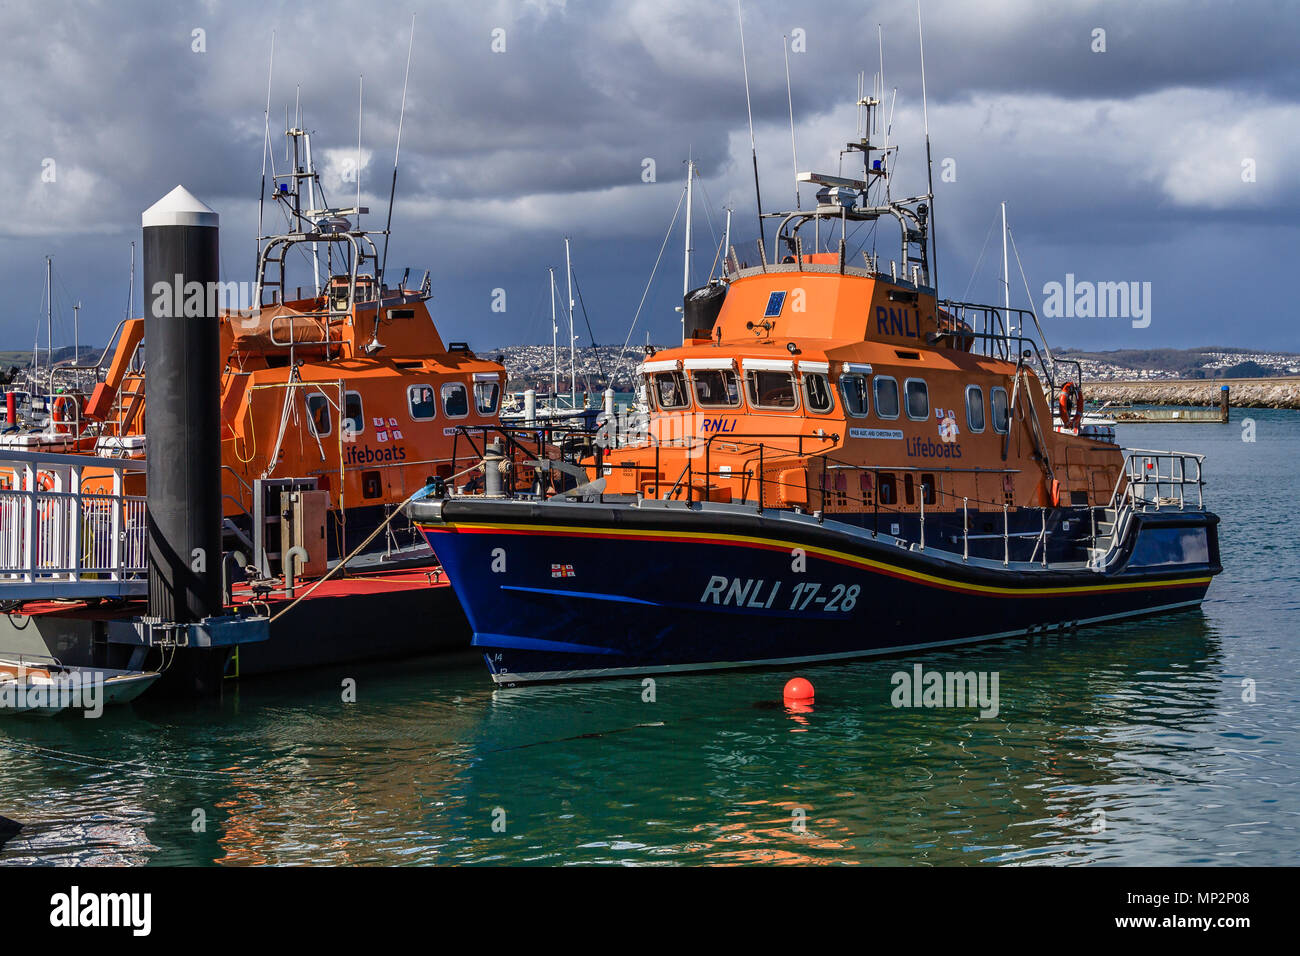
(798, 690)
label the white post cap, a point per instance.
(180, 207)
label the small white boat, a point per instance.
(49, 687)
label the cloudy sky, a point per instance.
(1170, 157)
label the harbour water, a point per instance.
(1167, 741)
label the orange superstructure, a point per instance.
(862, 391)
(344, 384)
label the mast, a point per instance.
(929, 163)
(749, 108)
(573, 359)
(555, 349)
(1006, 280)
(49, 320)
(686, 263)
(789, 99)
(726, 240)
(397, 152)
(76, 335)
(311, 204)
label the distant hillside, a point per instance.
(1211, 362)
(22, 359)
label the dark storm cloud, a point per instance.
(1123, 164)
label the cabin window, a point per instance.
(354, 421)
(974, 408)
(768, 389)
(486, 397)
(998, 403)
(817, 391)
(670, 389)
(854, 389)
(455, 400)
(887, 488)
(419, 398)
(918, 399)
(886, 390)
(716, 388)
(318, 414)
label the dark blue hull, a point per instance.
(562, 591)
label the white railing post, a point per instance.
(115, 527)
(77, 519)
(29, 523)
(965, 527)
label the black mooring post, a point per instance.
(183, 460)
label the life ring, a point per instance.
(64, 414)
(1071, 405)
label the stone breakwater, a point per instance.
(1243, 393)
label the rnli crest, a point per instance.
(947, 424)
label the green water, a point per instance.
(1123, 744)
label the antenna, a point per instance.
(361, 85)
(392, 192)
(929, 164)
(266, 149)
(789, 98)
(130, 286)
(753, 150)
(880, 43)
(1006, 279)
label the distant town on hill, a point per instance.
(531, 366)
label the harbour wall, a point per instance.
(1243, 392)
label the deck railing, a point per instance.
(58, 539)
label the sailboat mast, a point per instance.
(555, 348)
(49, 319)
(573, 359)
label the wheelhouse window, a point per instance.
(854, 389)
(670, 390)
(487, 395)
(771, 389)
(817, 392)
(998, 406)
(918, 399)
(318, 414)
(420, 401)
(886, 390)
(354, 419)
(716, 388)
(455, 400)
(974, 408)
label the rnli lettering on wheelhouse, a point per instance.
(904, 322)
